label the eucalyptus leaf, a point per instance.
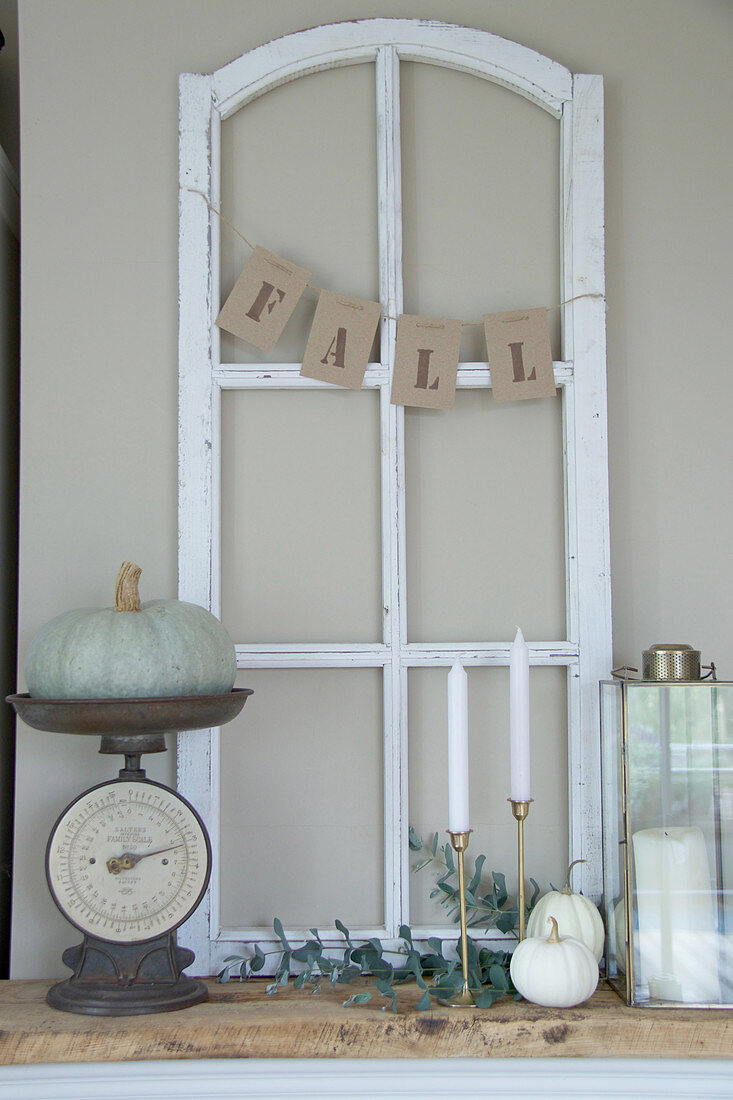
(476, 880)
(500, 890)
(433, 964)
(506, 922)
(279, 932)
(498, 978)
(447, 986)
(471, 952)
(416, 968)
(424, 1002)
(358, 999)
(341, 927)
(486, 998)
(380, 967)
(283, 969)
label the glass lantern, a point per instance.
(667, 752)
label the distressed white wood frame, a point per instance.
(577, 100)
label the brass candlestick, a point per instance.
(464, 999)
(520, 809)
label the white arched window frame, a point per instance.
(577, 100)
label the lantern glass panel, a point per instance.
(668, 843)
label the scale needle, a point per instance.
(130, 859)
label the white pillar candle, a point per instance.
(458, 815)
(676, 915)
(519, 784)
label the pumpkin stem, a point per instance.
(566, 888)
(553, 936)
(127, 597)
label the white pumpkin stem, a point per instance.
(566, 888)
(553, 936)
(127, 596)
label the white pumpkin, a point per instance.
(558, 971)
(131, 650)
(577, 916)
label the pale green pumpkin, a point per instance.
(131, 650)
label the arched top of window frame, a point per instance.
(530, 74)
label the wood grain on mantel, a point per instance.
(240, 1021)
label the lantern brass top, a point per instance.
(670, 661)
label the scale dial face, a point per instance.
(128, 861)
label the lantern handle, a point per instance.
(622, 673)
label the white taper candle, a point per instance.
(519, 782)
(458, 812)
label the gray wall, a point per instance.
(98, 459)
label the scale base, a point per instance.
(107, 999)
(112, 979)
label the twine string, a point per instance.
(385, 316)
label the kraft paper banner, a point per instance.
(340, 339)
(520, 358)
(426, 362)
(263, 298)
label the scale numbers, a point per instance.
(128, 861)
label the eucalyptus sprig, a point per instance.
(438, 975)
(487, 903)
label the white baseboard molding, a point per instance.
(383, 1079)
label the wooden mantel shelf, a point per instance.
(240, 1021)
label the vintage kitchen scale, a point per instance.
(129, 860)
